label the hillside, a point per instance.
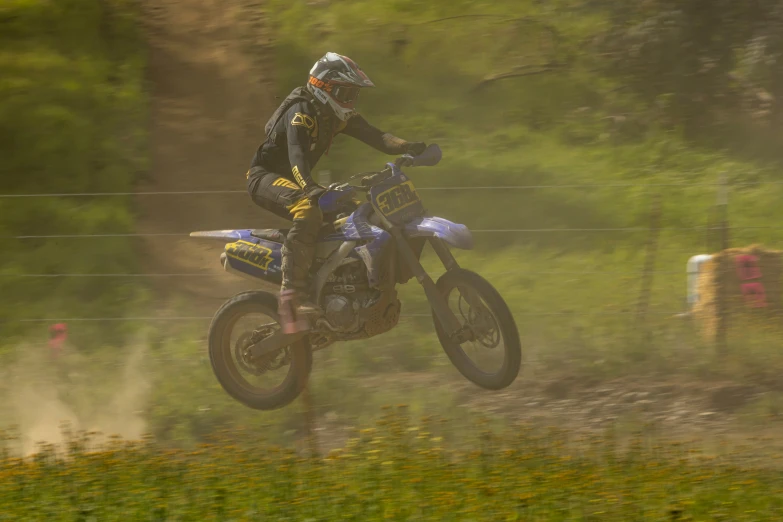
(209, 78)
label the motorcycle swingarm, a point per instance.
(275, 342)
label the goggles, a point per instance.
(345, 94)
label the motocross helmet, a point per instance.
(335, 80)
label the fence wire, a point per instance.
(215, 192)
(209, 318)
(222, 274)
(476, 231)
(437, 188)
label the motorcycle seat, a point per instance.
(279, 235)
(270, 234)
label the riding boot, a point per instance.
(295, 307)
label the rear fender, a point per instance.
(222, 234)
(454, 234)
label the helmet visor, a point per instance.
(345, 93)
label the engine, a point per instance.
(346, 293)
(339, 313)
(353, 310)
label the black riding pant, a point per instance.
(284, 198)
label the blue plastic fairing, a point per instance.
(333, 200)
(454, 234)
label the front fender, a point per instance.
(454, 234)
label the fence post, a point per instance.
(649, 260)
(310, 423)
(722, 203)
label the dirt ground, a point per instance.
(211, 89)
(713, 415)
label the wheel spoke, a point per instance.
(476, 316)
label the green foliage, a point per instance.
(399, 470)
(716, 63)
(72, 111)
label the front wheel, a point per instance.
(269, 382)
(492, 355)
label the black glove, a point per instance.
(415, 147)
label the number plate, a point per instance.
(397, 198)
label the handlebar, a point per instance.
(406, 160)
(430, 157)
(375, 178)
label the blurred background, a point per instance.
(593, 147)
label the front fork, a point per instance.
(450, 323)
(445, 255)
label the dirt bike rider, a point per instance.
(279, 180)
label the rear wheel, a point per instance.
(266, 383)
(491, 354)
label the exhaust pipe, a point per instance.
(233, 271)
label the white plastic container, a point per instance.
(693, 269)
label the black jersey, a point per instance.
(304, 133)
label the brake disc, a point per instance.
(481, 322)
(263, 364)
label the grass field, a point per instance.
(395, 471)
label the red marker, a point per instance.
(58, 333)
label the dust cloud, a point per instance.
(41, 396)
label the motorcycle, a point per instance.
(364, 251)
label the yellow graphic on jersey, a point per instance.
(298, 177)
(304, 120)
(287, 183)
(250, 253)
